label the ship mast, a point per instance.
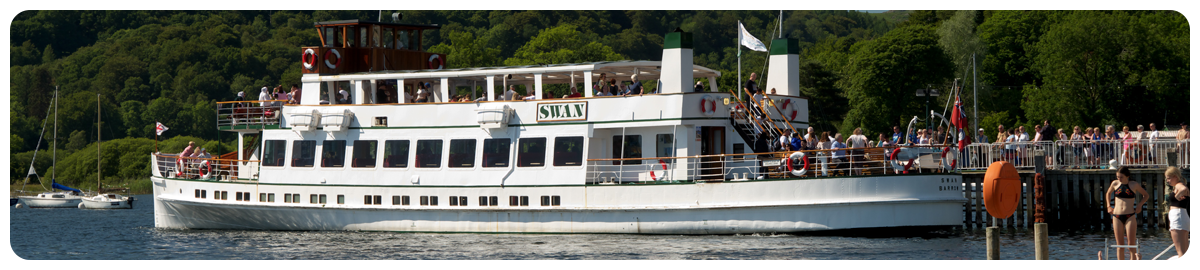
(54, 145)
(97, 143)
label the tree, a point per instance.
(884, 73)
(467, 51)
(561, 44)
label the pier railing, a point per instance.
(1079, 154)
(773, 165)
(174, 166)
(231, 114)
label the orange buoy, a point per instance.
(1001, 189)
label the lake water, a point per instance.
(41, 234)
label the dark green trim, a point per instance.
(233, 127)
(677, 40)
(575, 185)
(784, 46)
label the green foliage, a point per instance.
(884, 74)
(991, 121)
(561, 44)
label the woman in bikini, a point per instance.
(1124, 211)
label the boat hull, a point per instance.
(777, 206)
(35, 202)
(104, 203)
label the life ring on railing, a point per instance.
(705, 107)
(205, 169)
(953, 160)
(309, 59)
(797, 155)
(439, 64)
(664, 174)
(788, 110)
(178, 166)
(894, 161)
(336, 61)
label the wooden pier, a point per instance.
(1075, 200)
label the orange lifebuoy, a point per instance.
(309, 59)
(435, 59)
(336, 61)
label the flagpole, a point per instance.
(156, 135)
(741, 91)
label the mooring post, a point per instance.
(993, 243)
(1041, 241)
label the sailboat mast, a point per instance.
(54, 145)
(97, 143)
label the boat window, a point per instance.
(375, 36)
(395, 154)
(270, 197)
(433, 200)
(545, 200)
(367, 199)
(462, 201)
(462, 153)
(330, 36)
(403, 200)
(395, 200)
(341, 199)
(453, 200)
(225, 195)
(632, 149)
(483, 201)
(513, 201)
(364, 154)
(493, 201)
(204, 194)
(274, 151)
(378, 199)
(665, 144)
(287, 197)
(303, 153)
(262, 197)
(312, 198)
(402, 40)
(568, 151)
(350, 42)
(389, 37)
(531, 152)
(424, 200)
(429, 153)
(524, 200)
(495, 152)
(197, 193)
(555, 200)
(322, 199)
(362, 37)
(333, 154)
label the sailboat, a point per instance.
(68, 197)
(104, 200)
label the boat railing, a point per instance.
(249, 113)
(173, 166)
(1079, 154)
(772, 165)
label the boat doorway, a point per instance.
(712, 142)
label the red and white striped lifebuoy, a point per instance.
(788, 109)
(205, 169)
(336, 61)
(794, 156)
(309, 59)
(664, 174)
(708, 105)
(949, 164)
(435, 62)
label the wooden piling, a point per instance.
(993, 243)
(1041, 240)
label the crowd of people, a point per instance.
(1084, 146)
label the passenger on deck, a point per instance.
(797, 143)
(422, 93)
(264, 96)
(839, 155)
(772, 91)
(858, 140)
(1150, 138)
(981, 138)
(294, 97)
(601, 86)
(241, 96)
(785, 143)
(751, 87)
(280, 95)
(810, 139)
(699, 87)
(883, 142)
(896, 135)
(574, 93)
(189, 150)
(635, 87)
(612, 87)
(511, 93)
(343, 96)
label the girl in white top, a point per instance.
(858, 140)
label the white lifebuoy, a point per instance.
(336, 62)
(950, 163)
(205, 169)
(664, 174)
(800, 156)
(439, 61)
(309, 59)
(705, 106)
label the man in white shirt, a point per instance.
(508, 95)
(344, 97)
(1153, 136)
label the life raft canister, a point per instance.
(336, 61)
(309, 59)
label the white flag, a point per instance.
(159, 128)
(749, 40)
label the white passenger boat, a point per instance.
(672, 162)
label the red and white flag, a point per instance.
(159, 128)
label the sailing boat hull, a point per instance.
(50, 202)
(103, 202)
